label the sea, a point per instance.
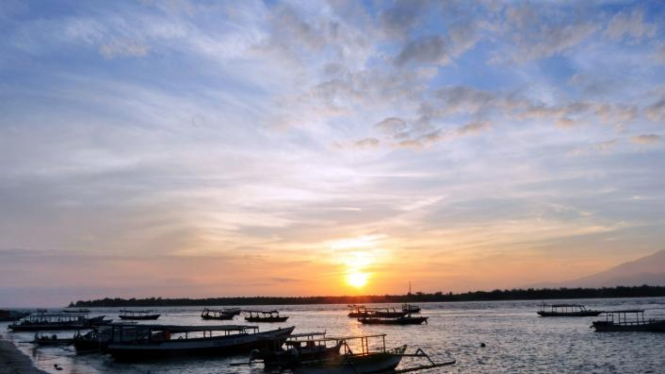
(483, 337)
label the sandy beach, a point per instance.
(13, 361)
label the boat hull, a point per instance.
(361, 364)
(397, 321)
(215, 346)
(225, 317)
(268, 320)
(587, 313)
(649, 326)
(53, 327)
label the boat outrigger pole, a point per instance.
(421, 354)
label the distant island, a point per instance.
(514, 294)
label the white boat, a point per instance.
(139, 342)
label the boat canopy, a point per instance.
(177, 328)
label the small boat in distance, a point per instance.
(261, 316)
(566, 310)
(405, 320)
(361, 311)
(50, 340)
(411, 309)
(144, 342)
(618, 320)
(138, 315)
(217, 314)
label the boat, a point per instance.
(138, 315)
(566, 310)
(217, 314)
(143, 342)
(12, 315)
(342, 355)
(411, 309)
(77, 311)
(261, 316)
(50, 340)
(628, 320)
(405, 320)
(56, 321)
(360, 311)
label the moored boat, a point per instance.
(628, 320)
(138, 315)
(56, 321)
(361, 311)
(411, 309)
(217, 314)
(50, 340)
(566, 310)
(405, 320)
(262, 316)
(343, 355)
(77, 311)
(141, 342)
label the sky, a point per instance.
(211, 148)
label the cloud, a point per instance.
(627, 24)
(398, 20)
(656, 111)
(125, 48)
(431, 49)
(391, 126)
(647, 139)
(604, 147)
(474, 128)
(367, 143)
(659, 54)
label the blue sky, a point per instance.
(184, 148)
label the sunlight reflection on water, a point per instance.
(517, 340)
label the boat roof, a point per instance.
(307, 334)
(563, 305)
(262, 311)
(178, 328)
(135, 311)
(625, 311)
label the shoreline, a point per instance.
(13, 361)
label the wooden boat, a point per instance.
(566, 310)
(56, 321)
(52, 340)
(618, 320)
(142, 342)
(360, 311)
(343, 355)
(405, 320)
(217, 314)
(410, 309)
(261, 316)
(138, 315)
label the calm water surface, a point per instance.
(517, 340)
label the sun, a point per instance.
(357, 279)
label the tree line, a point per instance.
(513, 294)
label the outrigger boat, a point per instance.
(56, 321)
(360, 311)
(334, 355)
(261, 316)
(141, 342)
(138, 315)
(217, 314)
(566, 310)
(52, 340)
(411, 309)
(618, 320)
(406, 320)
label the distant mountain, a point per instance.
(646, 270)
